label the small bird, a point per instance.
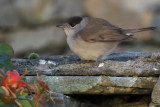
(95, 38)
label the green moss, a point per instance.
(90, 71)
(102, 75)
(64, 57)
(156, 104)
(153, 60)
(33, 56)
(135, 76)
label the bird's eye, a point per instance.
(72, 24)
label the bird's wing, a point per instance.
(100, 30)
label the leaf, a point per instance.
(24, 103)
(22, 95)
(2, 90)
(34, 105)
(6, 50)
(6, 105)
(6, 63)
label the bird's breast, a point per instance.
(89, 51)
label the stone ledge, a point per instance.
(130, 73)
(102, 85)
(122, 73)
(118, 64)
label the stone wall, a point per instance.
(126, 79)
(29, 25)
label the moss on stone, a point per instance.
(33, 56)
(153, 59)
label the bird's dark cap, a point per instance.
(74, 20)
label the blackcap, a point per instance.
(95, 38)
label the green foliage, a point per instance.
(23, 94)
(24, 102)
(2, 104)
(1, 90)
(6, 50)
(33, 56)
(22, 99)
(34, 105)
(5, 63)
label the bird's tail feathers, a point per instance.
(139, 30)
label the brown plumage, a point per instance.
(107, 32)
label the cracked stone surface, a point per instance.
(98, 84)
(117, 64)
(123, 74)
(156, 93)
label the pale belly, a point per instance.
(90, 51)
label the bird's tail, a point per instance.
(139, 30)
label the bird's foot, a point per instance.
(87, 61)
(95, 65)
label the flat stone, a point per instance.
(97, 84)
(156, 93)
(118, 64)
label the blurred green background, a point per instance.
(29, 25)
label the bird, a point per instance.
(95, 38)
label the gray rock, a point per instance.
(8, 15)
(156, 93)
(156, 34)
(25, 41)
(119, 64)
(62, 100)
(65, 76)
(43, 11)
(101, 85)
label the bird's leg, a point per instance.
(88, 61)
(96, 63)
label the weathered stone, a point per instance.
(62, 100)
(148, 65)
(98, 84)
(8, 16)
(67, 74)
(26, 41)
(156, 34)
(156, 93)
(43, 11)
(99, 101)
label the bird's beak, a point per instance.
(60, 25)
